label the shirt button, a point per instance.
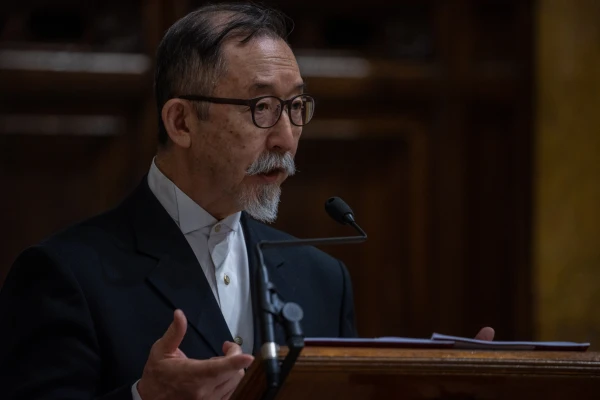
(217, 228)
(238, 340)
(226, 279)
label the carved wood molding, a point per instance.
(373, 373)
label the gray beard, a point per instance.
(261, 202)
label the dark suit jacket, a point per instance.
(80, 311)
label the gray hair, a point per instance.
(189, 58)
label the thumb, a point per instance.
(174, 335)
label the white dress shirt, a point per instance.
(221, 251)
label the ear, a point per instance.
(177, 116)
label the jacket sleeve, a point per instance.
(48, 346)
(347, 322)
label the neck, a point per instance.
(195, 186)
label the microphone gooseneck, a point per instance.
(289, 315)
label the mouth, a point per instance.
(271, 176)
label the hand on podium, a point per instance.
(486, 333)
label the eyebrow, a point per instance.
(262, 85)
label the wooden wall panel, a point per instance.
(381, 178)
(50, 183)
(567, 181)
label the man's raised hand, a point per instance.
(169, 374)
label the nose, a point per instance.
(283, 136)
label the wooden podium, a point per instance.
(385, 373)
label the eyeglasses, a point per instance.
(266, 110)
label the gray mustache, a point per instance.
(269, 161)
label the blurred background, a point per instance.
(464, 133)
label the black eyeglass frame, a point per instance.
(252, 104)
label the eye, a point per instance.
(262, 106)
(297, 105)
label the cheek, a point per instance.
(244, 140)
(232, 145)
(243, 146)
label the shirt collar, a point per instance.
(185, 211)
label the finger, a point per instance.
(228, 349)
(237, 361)
(231, 348)
(486, 333)
(219, 365)
(223, 368)
(174, 335)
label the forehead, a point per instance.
(263, 65)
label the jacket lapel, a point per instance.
(178, 276)
(254, 232)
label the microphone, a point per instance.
(342, 213)
(290, 314)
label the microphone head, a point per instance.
(339, 210)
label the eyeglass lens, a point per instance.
(268, 110)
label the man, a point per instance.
(153, 299)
